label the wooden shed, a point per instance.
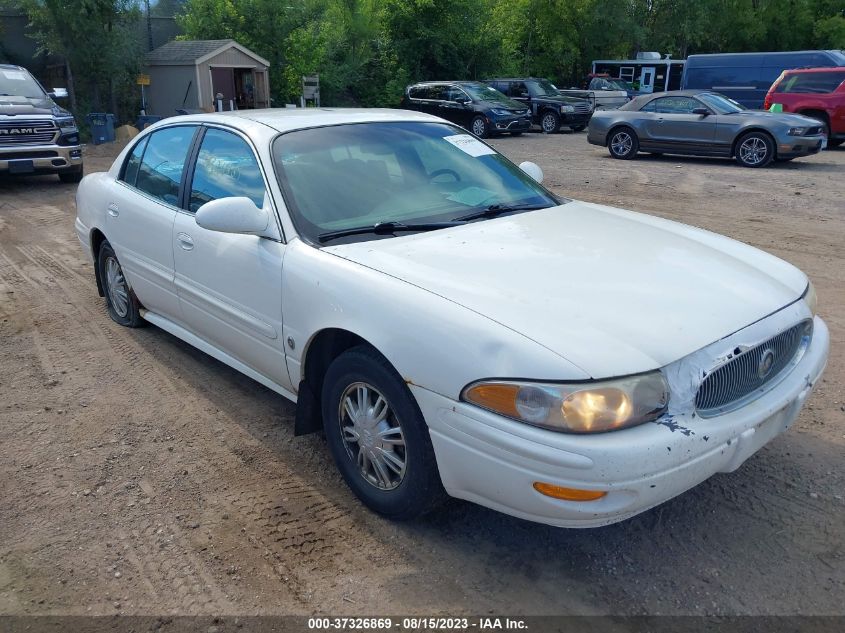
(189, 75)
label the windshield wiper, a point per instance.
(498, 209)
(385, 228)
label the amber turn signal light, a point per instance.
(569, 494)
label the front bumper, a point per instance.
(575, 118)
(795, 146)
(40, 159)
(494, 461)
(511, 124)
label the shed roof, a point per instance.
(189, 52)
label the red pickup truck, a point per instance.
(815, 92)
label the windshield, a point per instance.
(721, 104)
(480, 92)
(347, 176)
(541, 88)
(19, 83)
(618, 84)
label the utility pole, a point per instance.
(149, 27)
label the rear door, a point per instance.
(673, 126)
(141, 212)
(230, 285)
(453, 109)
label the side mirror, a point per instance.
(533, 170)
(233, 215)
(59, 93)
(461, 100)
(701, 111)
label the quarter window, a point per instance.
(130, 171)
(160, 170)
(225, 168)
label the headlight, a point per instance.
(499, 112)
(567, 108)
(66, 124)
(810, 298)
(797, 131)
(591, 407)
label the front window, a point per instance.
(348, 176)
(541, 88)
(720, 103)
(225, 168)
(481, 92)
(15, 82)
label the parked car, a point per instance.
(37, 136)
(704, 124)
(475, 106)
(448, 322)
(746, 77)
(549, 109)
(604, 93)
(818, 93)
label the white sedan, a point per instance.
(451, 325)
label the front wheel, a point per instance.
(378, 437)
(479, 127)
(623, 143)
(121, 302)
(755, 149)
(550, 122)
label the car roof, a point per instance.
(459, 82)
(823, 69)
(517, 79)
(288, 119)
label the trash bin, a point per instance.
(146, 120)
(102, 127)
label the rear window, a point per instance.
(811, 83)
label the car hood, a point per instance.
(778, 117)
(612, 291)
(11, 105)
(568, 99)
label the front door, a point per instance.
(141, 212)
(230, 286)
(671, 124)
(647, 79)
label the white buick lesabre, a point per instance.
(448, 323)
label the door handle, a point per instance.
(185, 241)
(113, 211)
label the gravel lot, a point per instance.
(140, 476)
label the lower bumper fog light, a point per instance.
(569, 494)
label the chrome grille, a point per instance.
(27, 132)
(747, 373)
(582, 108)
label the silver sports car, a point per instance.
(705, 124)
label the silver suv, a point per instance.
(37, 136)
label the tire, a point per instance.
(122, 304)
(402, 483)
(71, 176)
(479, 127)
(755, 149)
(622, 143)
(550, 122)
(577, 128)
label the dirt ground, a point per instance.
(140, 476)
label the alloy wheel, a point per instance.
(479, 127)
(753, 150)
(621, 143)
(549, 123)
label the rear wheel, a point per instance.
(121, 302)
(479, 127)
(378, 437)
(550, 122)
(755, 149)
(623, 143)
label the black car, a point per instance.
(482, 110)
(549, 109)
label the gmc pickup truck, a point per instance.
(37, 136)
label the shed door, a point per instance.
(223, 82)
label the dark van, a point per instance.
(747, 77)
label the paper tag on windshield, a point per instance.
(14, 74)
(469, 144)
